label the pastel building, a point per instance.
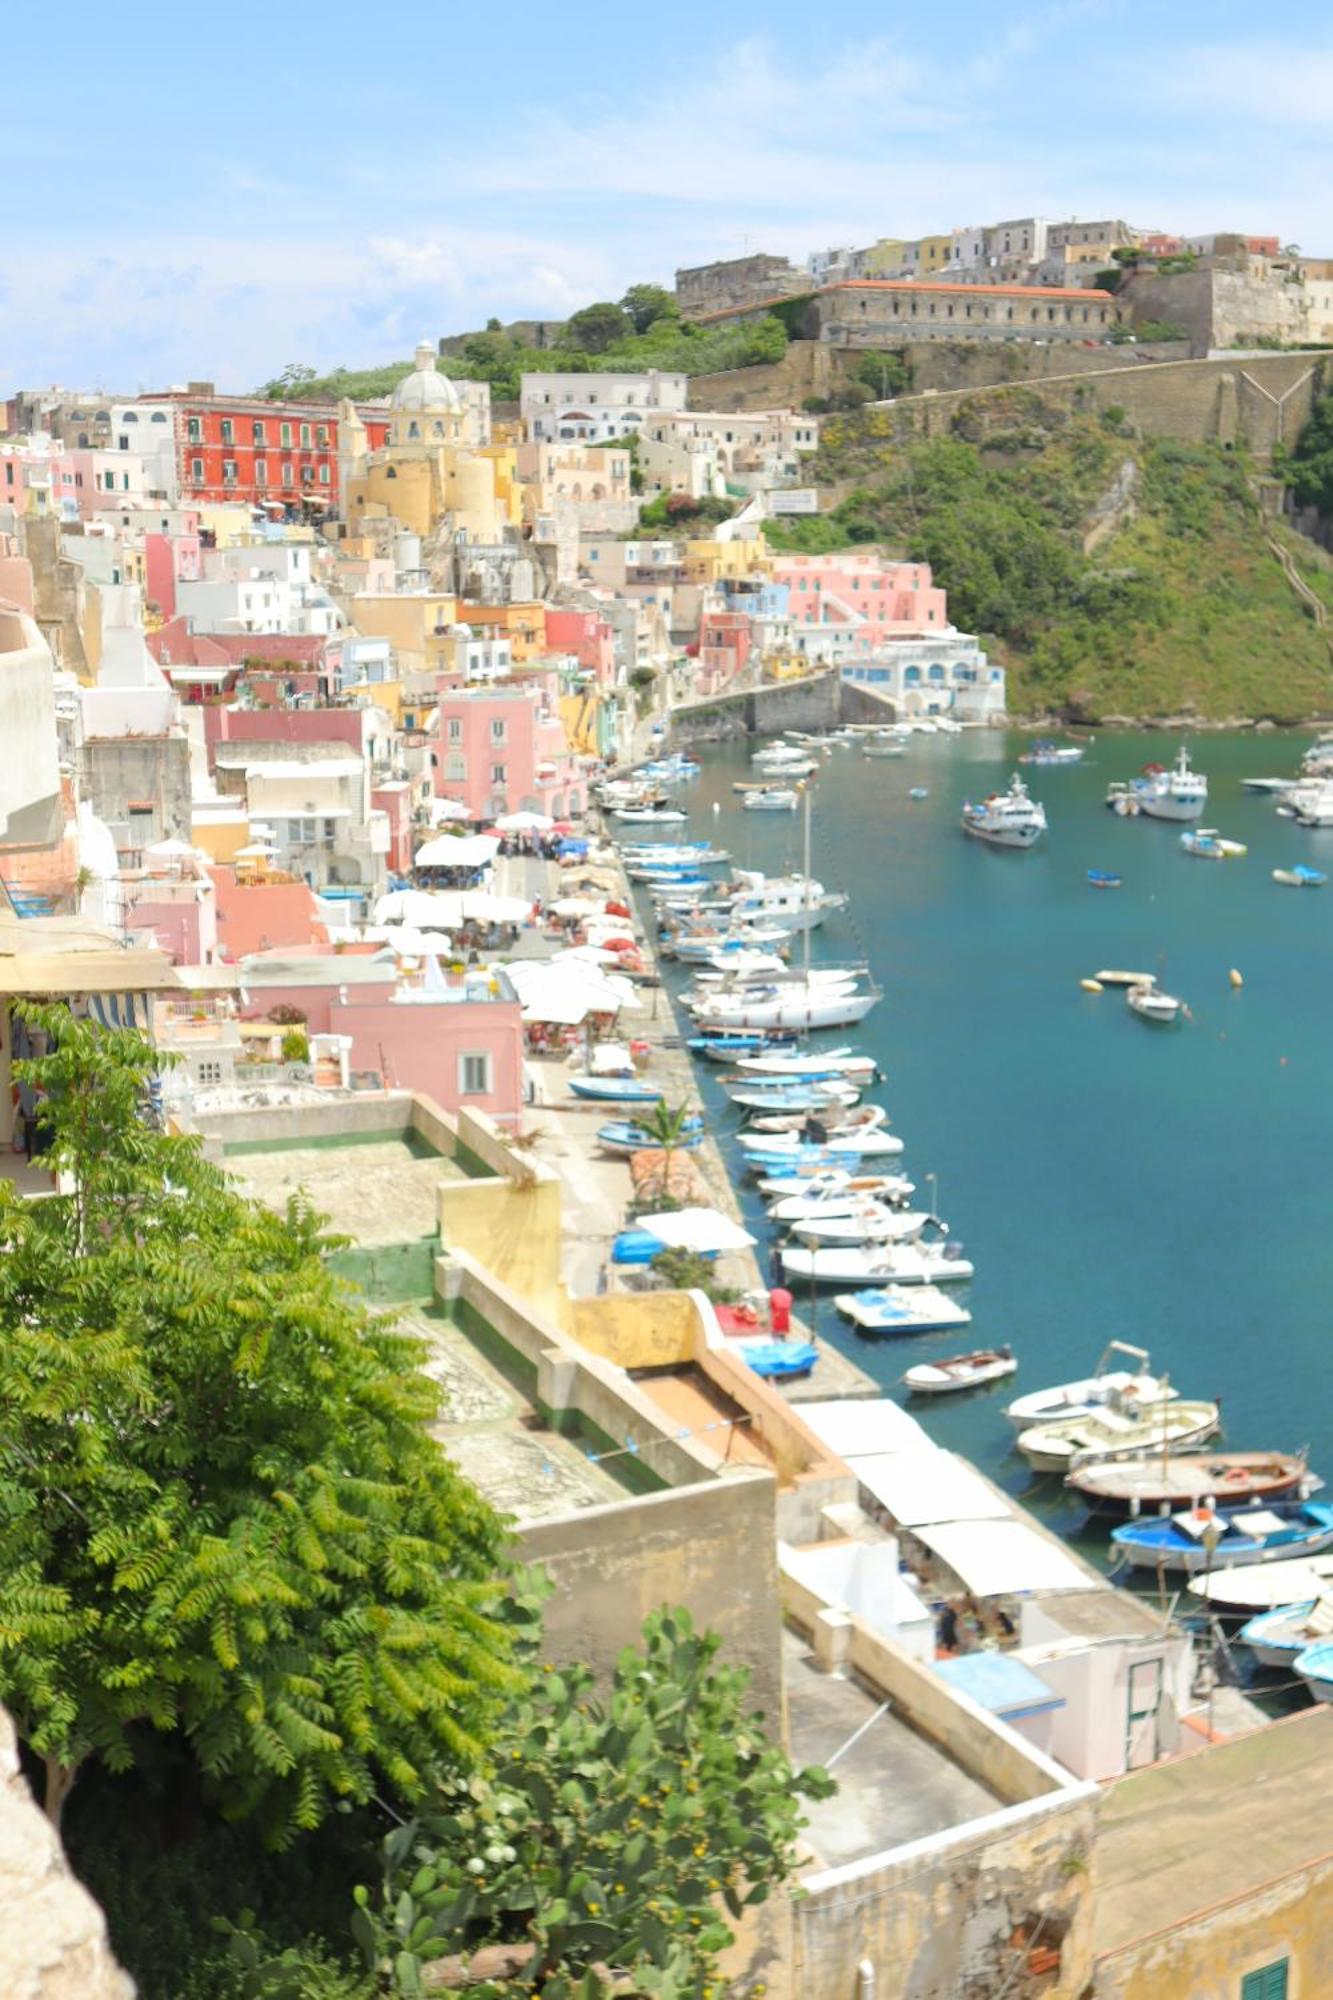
(503, 749)
(591, 408)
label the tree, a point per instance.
(646, 304)
(220, 1511)
(666, 1126)
(610, 1841)
(597, 327)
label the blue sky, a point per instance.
(215, 194)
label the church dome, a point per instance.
(425, 388)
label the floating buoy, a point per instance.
(1091, 985)
(1235, 979)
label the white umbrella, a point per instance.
(424, 907)
(576, 906)
(486, 908)
(699, 1229)
(455, 850)
(171, 850)
(407, 942)
(584, 954)
(524, 822)
(446, 809)
(259, 831)
(254, 852)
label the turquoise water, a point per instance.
(1108, 1178)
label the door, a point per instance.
(1143, 1701)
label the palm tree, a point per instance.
(665, 1126)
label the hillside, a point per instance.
(1114, 575)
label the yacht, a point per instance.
(1006, 819)
(1179, 794)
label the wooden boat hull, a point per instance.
(1146, 1485)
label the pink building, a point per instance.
(394, 800)
(176, 912)
(725, 642)
(588, 636)
(461, 1044)
(169, 560)
(503, 749)
(843, 607)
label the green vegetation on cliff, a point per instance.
(1114, 575)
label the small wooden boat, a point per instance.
(1276, 1637)
(961, 1371)
(1102, 878)
(779, 1360)
(1300, 877)
(919, 792)
(616, 1089)
(624, 1137)
(893, 1310)
(1151, 1004)
(1147, 1484)
(1105, 1435)
(778, 800)
(1207, 1538)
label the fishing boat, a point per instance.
(792, 1100)
(1151, 1004)
(778, 1360)
(1112, 1433)
(798, 1006)
(1206, 1538)
(1253, 1587)
(1207, 844)
(878, 1264)
(771, 800)
(893, 1310)
(1145, 1485)
(1276, 1637)
(961, 1371)
(1052, 754)
(1135, 1384)
(1102, 878)
(1180, 793)
(622, 1136)
(616, 1089)
(1300, 877)
(1006, 819)
(830, 1192)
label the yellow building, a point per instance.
(425, 477)
(709, 561)
(524, 625)
(885, 257)
(418, 625)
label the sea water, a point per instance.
(1171, 1187)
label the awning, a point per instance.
(67, 972)
(1004, 1558)
(458, 850)
(922, 1488)
(859, 1429)
(121, 1010)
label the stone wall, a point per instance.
(1222, 308)
(121, 771)
(737, 281)
(814, 702)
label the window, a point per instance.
(209, 1072)
(307, 475)
(455, 729)
(197, 470)
(286, 475)
(194, 429)
(498, 731)
(258, 433)
(497, 774)
(286, 434)
(109, 481)
(323, 475)
(228, 431)
(322, 436)
(229, 471)
(158, 417)
(261, 472)
(455, 766)
(1269, 1983)
(474, 1078)
(305, 437)
(124, 444)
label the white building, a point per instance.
(590, 408)
(948, 675)
(324, 829)
(750, 449)
(149, 430)
(259, 587)
(30, 810)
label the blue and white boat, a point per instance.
(1300, 877)
(1209, 1538)
(767, 1152)
(622, 1136)
(1102, 878)
(616, 1089)
(892, 1309)
(1045, 752)
(1276, 1637)
(779, 1360)
(719, 1047)
(1315, 1667)
(1205, 843)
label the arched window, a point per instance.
(129, 417)
(437, 429)
(414, 429)
(158, 417)
(455, 767)
(936, 674)
(911, 676)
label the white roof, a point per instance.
(921, 1488)
(458, 850)
(1003, 1558)
(313, 767)
(860, 1429)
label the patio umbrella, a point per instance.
(702, 1230)
(484, 907)
(452, 850)
(447, 809)
(171, 850)
(525, 822)
(256, 851)
(427, 908)
(576, 906)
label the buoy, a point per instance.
(1235, 979)
(1091, 985)
(717, 806)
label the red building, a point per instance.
(280, 456)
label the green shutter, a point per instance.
(1269, 1983)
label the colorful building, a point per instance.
(279, 456)
(504, 749)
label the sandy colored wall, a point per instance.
(1207, 1957)
(513, 1231)
(638, 1329)
(710, 1547)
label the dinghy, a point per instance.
(1300, 877)
(960, 1371)
(1101, 878)
(1276, 1637)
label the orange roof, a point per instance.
(920, 285)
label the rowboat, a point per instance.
(1300, 877)
(1101, 878)
(1207, 1538)
(1276, 1637)
(624, 1137)
(960, 1371)
(1181, 1480)
(616, 1089)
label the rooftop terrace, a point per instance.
(376, 1187)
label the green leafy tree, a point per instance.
(613, 1839)
(646, 304)
(665, 1125)
(597, 327)
(220, 1511)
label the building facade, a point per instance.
(589, 409)
(282, 457)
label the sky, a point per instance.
(214, 194)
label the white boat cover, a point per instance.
(858, 1429)
(1004, 1558)
(925, 1488)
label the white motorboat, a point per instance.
(1310, 802)
(1135, 1384)
(1111, 1433)
(1205, 843)
(842, 1062)
(830, 1191)
(1151, 1004)
(878, 1264)
(798, 1006)
(1266, 1586)
(649, 815)
(1006, 819)
(1178, 794)
(770, 800)
(894, 1310)
(961, 1371)
(855, 1145)
(872, 1222)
